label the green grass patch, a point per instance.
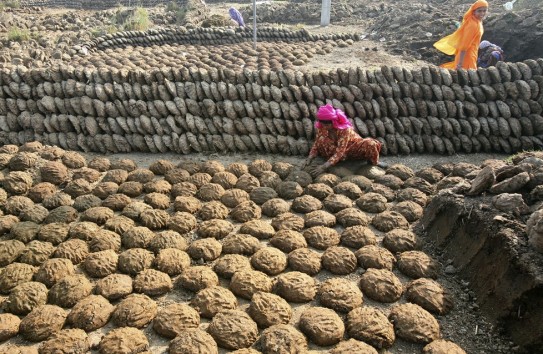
(13, 4)
(128, 19)
(36, 36)
(103, 30)
(179, 12)
(16, 34)
(172, 7)
(139, 21)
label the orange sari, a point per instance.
(465, 39)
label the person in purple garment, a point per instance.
(236, 16)
(489, 54)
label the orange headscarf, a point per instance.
(464, 38)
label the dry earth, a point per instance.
(464, 325)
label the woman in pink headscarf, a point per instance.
(336, 140)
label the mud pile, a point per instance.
(108, 241)
(415, 30)
(493, 239)
(412, 27)
(53, 36)
(93, 5)
(298, 13)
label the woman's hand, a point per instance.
(307, 162)
(320, 170)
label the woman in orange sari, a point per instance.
(464, 43)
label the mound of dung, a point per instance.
(216, 228)
(257, 228)
(284, 336)
(114, 286)
(53, 270)
(9, 326)
(207, 249)
(373, 256)
(370, 325)
(101, 264)
(267, 309)
(42, 322)
(240, 244)
(353, 346)
(210, 301)
(74, 250)
(69, 290)
(321, 237)
(91, 313)
(430, 295)
(152, 282)
(25, 297)
(193, 341)
(319, 218)
(339, 260)
(305, 260)
(442, 346)
(245, 283)
(288, 240)
(417, 264)
(135, 310)
(357, 237)
(228, 264)
(296, 287)
(67, 340)
(173, 319)
(323, 326)
(196, 278)
(414, 324)
(233, 329)
(381, 285)
(134, 260)
(340, 295)
(269, 260)
(124, 340)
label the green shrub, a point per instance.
(103, 30)
(16, 34)
(180, 16)
(172, 7)
(180, 12)
(139, 21)
(36, 35)
(14, 4)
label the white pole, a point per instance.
(325, 12)
(254, 24)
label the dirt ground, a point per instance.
(464, 325)
(368, 54)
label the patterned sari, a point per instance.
(346, 145)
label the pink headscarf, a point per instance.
(337, 116)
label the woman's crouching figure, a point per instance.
(337, 141)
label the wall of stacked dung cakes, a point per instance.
(203, 108)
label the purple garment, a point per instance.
(236, 16)
(497, 55)
(489, 54)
